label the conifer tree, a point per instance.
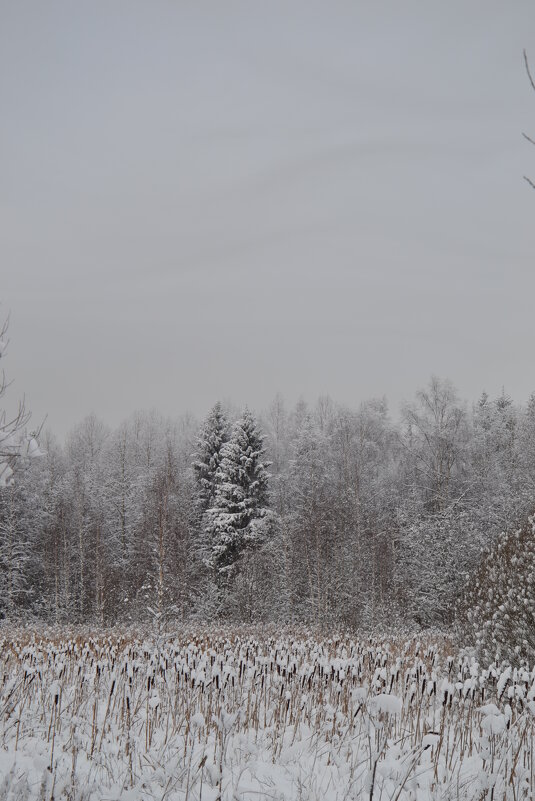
(213, 435)
(240, 515)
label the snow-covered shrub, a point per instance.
(497, 612)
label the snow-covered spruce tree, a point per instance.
(497, 611)
(240, 517)
(212, 437)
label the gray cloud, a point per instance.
(227, 200)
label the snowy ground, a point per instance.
(250, 717)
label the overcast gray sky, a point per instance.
(230, 199)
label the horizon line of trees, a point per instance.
(322, 514)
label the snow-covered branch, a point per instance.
(15, 444)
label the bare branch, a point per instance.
(530, 76)
(530, 140)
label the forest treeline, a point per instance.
(318, 513)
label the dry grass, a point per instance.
(251, 714)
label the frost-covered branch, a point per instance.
(15, 443)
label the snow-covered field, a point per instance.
(248, 716)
